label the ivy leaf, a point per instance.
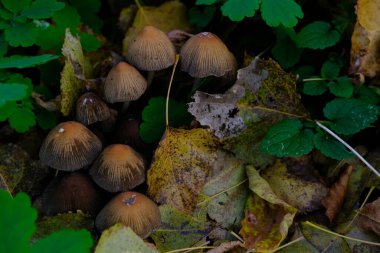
(314, 88)
(207, 2)
(317, 35)
(22, 119)
(47, 120)
(201, 17)
(342, 87)
(236, 10)
(330, 70)
(23, 61)
(21, 34)
(349, 115)
(330, 147)
(153, 127)
(12, 92)
(64, 241)
(286, 138)
(281, 12)
(16, 6)
(16, 222)
(42, 9)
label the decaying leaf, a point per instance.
(178, 230)
(369, 220)
(180, 167)
(357, 246)
(365, 40)
(119, 238)
(267, 217)
(232, 246)
(337, 193)
(166, 17)
(75, 65)
(302, 190)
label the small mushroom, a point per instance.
(72, 192)
(91, 108)
(69, 146)
(118, 168)
(132, 209)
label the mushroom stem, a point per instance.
(150, 78)
(125, 106)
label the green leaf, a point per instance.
(237, 10)
(342, 87)
(20, 79)
(47, 120)
(286, 138)
(285, 51)
(67, 17)
(64, 241)
(366, 94)
(16, 222)
(89, 42)
(201, 16)
(314, 88)
(24, 61)
(87, 10)
(317, 35)
(21, 34)
(42, 9)
(153, 127)
(349, 115)
(330, 147)
(22, 120)
(281, 12)
(3, 45)
(330, 70)
(7, 110)
(5, 14)
(12, 92)
(16, 6)
(207, 2)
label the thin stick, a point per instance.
(168, 94)
(349, 147)
(289, 243)
(313, 79)
(191, 249)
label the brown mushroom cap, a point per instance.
(91, 109)
(124, 83)
(132, 209)
(69, 146)
(118, 168)
(151, 50)
(72, 192)
(204, 54)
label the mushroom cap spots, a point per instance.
(70, 146)
(118, 168)
(91, 108)
(204, 54)
(124, 83)
(151, 50)
(132, 209)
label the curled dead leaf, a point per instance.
(369, 220)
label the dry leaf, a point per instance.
(337, 192)
(369, 220)
(232, 246)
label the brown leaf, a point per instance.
(369, 221)
(337, 192)
(232, 246)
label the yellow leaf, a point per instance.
(180, 167)
(368, 14)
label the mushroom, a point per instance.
(124, 84)
(91, 109)
(151, 50)
(118, 168)
(69, 146)
(132, 209)
(74, 191)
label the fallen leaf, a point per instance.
(369, 220)
(178, 230)
(357, 246)
(302, 191)
(180, 167)
(120, 238)
(337, 193)
(267, 217)
(232, 246)
(166, 17)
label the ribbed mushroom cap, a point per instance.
(118, 168)
(124, 83)
(151, 50)
(91, 108)
(204, 54)
(72, 192)
(70, 146)
(132, 209)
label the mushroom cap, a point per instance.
(69, 146)
(118, 168)
(132, 209)
(91, 108)
(74, 191)
(124, 83)
(204, 54)
(151, 50)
